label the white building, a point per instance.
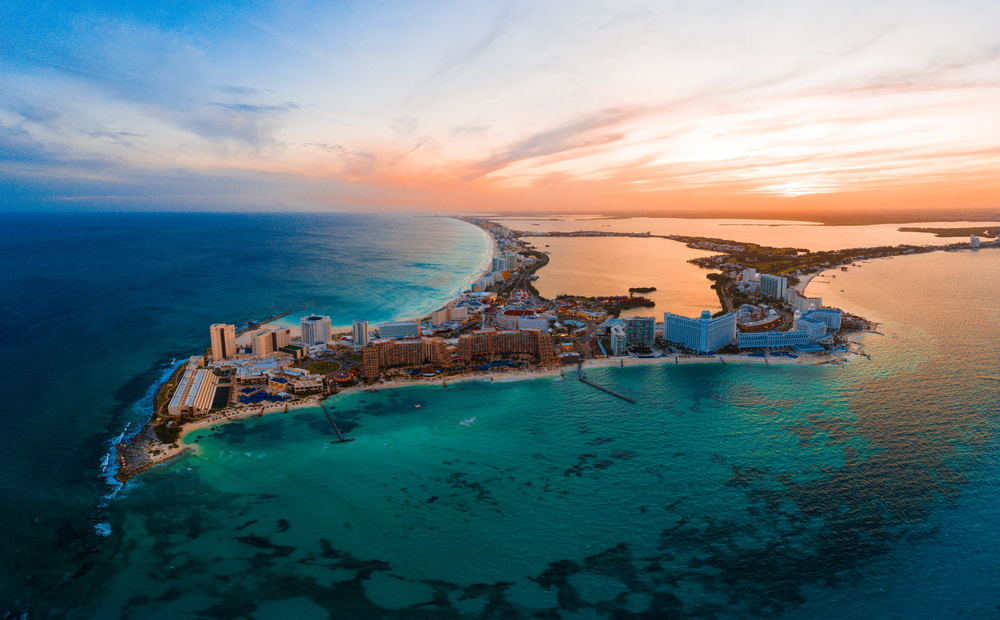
(315, 329)
(773, 286)
(832, 317)
(704, 334)
(360, 334)
(813, 328)
(619, 340)
(973, 241)
(399, 330)
(802, 303)
(533, 322)
(749, 275)
(771, 340)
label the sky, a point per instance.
(500, 106)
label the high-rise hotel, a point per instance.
(360, 335)
(223, 341)
(704, 334)
(316, 329)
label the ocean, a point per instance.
(854, 491)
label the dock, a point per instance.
(583, 379)
(334, 424)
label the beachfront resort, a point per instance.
(501, 328)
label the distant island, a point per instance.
(642, 289)
(990, 232)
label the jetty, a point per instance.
(583, 379)
(334, 424)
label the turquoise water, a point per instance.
(99, 305)
(725, 492)
(858, 491)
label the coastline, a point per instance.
(141, 447)
(184, 443)
(151, 453)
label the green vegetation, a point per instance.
(166, 390)
(784, 261)
(323, 368)
(166, 434)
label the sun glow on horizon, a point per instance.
(509, 106)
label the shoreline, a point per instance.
(184, 444)
(149, 452)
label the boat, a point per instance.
(468, 422)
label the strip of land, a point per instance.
(509, 301)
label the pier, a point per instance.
(334, 424)
(583, 379)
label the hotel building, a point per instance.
(223, 341)
(773, 286)
(704, 334)
(194, 392)
(802, 303)
(268, 341)
(360, 334)
(832, 317)
(316, 329)
(772, 340)
(489, 341)
(619, 339)
(813, 328)
(386, 353)
(399, 330)
(640, 331)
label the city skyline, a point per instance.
(509, 107)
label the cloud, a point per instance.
(576, 135)
(241, 91)
(17, 146)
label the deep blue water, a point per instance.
(863, 491)
(97, 305)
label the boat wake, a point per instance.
(468, 422)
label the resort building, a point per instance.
(386, 353)
(773, 286)
(532, 322)
(813, 328)
(619, 339)
(832, 317)
(800, 302)
(360, 334)
(399, 330)
(223, 341)
(268, 341)
(194, 392)
(439, 317)
(640, 331)
(511, 259)
(749, 275)
(704, 334)
(489, 341)
(772, 340)
(316, 329)
(973, 241)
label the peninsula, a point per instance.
(502, 329)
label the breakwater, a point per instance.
(583, 379)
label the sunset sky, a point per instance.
(462, 106)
